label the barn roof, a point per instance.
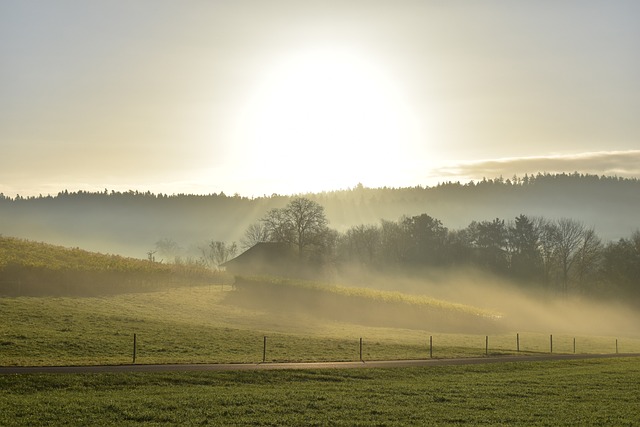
(263, 258)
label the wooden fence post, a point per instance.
(431, 347)
(574, 345)
(616, 345)
(486, 345)
(264, 349)
(134, 348)
(518, 343)
(361, 350)
(551, 343)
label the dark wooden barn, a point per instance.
(265, 258)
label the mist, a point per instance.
(130, 223)
(133, 223)
(523, 309)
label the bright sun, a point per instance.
(327, 118)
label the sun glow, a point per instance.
(326, 119)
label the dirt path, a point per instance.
(310, 365)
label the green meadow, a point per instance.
(200, 319)
(186, 314)
(199, 324)
(562, 393)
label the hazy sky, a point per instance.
(258, 97)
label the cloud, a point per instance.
(610, 163)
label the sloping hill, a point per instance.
(362, 306)
(32, 268)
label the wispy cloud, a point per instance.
(610, 163)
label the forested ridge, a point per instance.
(544, 232)
(130, 223)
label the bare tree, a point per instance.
(308, 220)
(395, 242)
(589, 257)
(217, 253)
(622, 266)
(168, 249)
(361, 243)
(255, 233)
(302, 223)
(569, 237)
(278, 226)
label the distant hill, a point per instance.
(131, 223)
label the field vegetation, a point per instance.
(587, 393)
(32, 268)
(186, 314)
(199, 324)
(82, 308)
(364, 305)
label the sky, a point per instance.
(262, 97)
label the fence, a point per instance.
(563, 345)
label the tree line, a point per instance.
(559, 255)
(130, 222)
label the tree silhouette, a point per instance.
(302, 223)
(360, 243)
(254, 234)
(524, 244)
(217, 252)
(569, 236)
(428, 237)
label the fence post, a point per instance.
(616, 345)
(361, 350)
(518, 343)
(134, 348)
(551, 342)
(486, 345)
(264, 349)
(574, 345)
(431, 347)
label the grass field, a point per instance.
(592, 392)
(211, 324)
(198, 325)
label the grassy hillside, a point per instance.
(83, 308)
(364, 306)
(199, 324)
(32, 268)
